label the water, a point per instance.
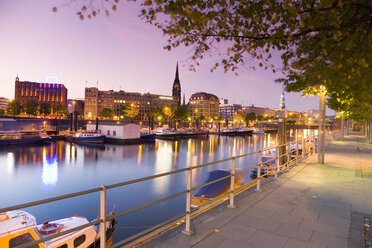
(31, 173)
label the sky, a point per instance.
(116, 52)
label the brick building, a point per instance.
(52, 94)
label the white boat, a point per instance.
(88, 137)
(19, 227)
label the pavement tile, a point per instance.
(293, 243)
(288, 219)
(262, 239)
(292, 231)
(210, 241)
(329, 240)
(236, 232)
(228, 243)
(257, 222)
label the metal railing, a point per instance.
(297, 151)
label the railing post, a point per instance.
(103, 216)
(296, 151)
(313, 144)
(187, 229)
(277, 159)
(288, 155)
(259, 166)
(232, 184)
(303, 148)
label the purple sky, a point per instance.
(120, 52)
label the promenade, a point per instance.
(311, 206)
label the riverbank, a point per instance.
(313, 205)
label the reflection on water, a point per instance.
(38, 172)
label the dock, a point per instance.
(312, 205)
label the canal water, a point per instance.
(30, 173)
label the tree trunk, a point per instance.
(370, 131)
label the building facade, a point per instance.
(52, 94)
(227, 111)
(203, 104)
(4, 103)
(75, 105)
(97, 100)
(265, 112)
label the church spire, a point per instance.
(176, 91)
(184, 99)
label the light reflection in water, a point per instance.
(139, 154)
(10, 163)
(163, 163)
(50, 169)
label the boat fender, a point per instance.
(49, 228)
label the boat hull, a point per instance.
(87, 140)
(23, 141)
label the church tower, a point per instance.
(176, 91)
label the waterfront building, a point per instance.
(176, 90)
(227, 111)
(203, 104)
(223, 101)
(265, 112)
(52, 94)
(97, 100)
(4, 103)
(75, 105)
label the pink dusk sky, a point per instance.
(118, 52)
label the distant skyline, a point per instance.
(118, 52)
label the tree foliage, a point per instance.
(130, 111)
(107, 113)
(14, 108)
(44, 108)
(61, 110)
(181, 113)
(30, 107)
(321, 42)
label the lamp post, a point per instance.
(322, 114)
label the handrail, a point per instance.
(302, 144)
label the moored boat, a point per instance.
(22, 138)
(19, 228)
(87, 137)
(214, 190)
(147, 134)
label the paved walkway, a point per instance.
(311, 206)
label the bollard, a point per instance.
(232, 184)
(187, 229)
(103, 217)
(259, 166)
(277, 160)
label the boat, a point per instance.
(87, 137)
(236, 132)
(23, 137)
(167, 134)
(18, 227)
(268, 164)
(214, 190)
(200, 134)
(148, 134)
